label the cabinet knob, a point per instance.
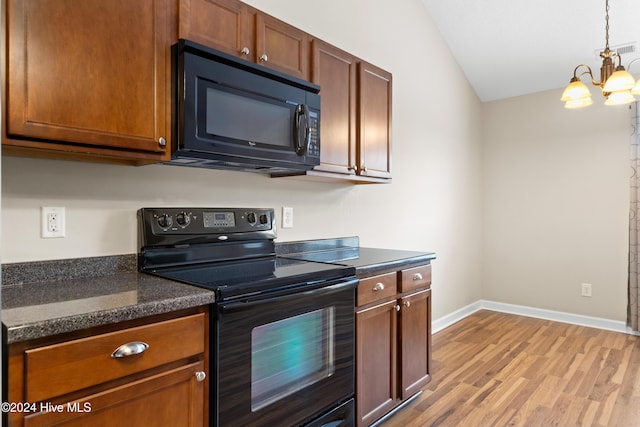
(129, 349)
(200, 376)
(245, 51)
(162, 141)
(363, 168)
(264, 57)
(378, 287)
(397, 307)
(407, 304)
(417, 276)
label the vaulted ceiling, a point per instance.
(514, 47)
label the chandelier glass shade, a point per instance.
(617, 84)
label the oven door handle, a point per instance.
(253, 301)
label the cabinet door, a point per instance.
(281, 46)
(335, 72)
(376, 378)
(415, 342)
(171, 398)
(91, 73)
(226, 25)
(374, 121)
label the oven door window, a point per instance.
(290, 355)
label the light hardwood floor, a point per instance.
(496, 369)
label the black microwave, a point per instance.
(230, 113)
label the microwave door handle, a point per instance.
(302, 134)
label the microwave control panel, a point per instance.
(314, 126)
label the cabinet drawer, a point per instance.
(61, 368)
(414, 278)
(376, 288)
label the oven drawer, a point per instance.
(415, 278)
(73, 365)
(376, 288)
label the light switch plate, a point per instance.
(287, 217)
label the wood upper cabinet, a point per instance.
(238, 29)
(355, 131)
(226, 25)
(393, 340)
(374, 121)
(90, 77)
(162, 384)
(335, 71)
(281, 46)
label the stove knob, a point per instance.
(183, 219)
(264, 219)
(251, 217)
(165, 221)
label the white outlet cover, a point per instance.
(60, 222)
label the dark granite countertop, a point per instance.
(46, 298)
(347, 251)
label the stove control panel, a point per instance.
(206, 221)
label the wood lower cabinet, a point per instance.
(172, 398)
(415, 342)
(238, 29)
(89, 79)
(160, 378)
(376, 361)
(356, 99)
(393, 340)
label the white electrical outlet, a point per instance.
(287, 217)
(53, 224)
(586, 289)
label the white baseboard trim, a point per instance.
(556, 316)
(451, 318)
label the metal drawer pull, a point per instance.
(200, 376)
(264, 57)
(130, 349)
(245, 51)
(398, 307)
(417, 276)
(407, 304)
(378, 287)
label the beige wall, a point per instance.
(556, 204)
(433, 204)
(522, 200)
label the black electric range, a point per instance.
(282, 330)
(228, 250)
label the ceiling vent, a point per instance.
(621, 49)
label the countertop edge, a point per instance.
(36, 330)
(373, 269)
(61, 325)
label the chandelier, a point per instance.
(618, 86)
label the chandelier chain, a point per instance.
(606, 27)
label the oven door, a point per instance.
(284, 361)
